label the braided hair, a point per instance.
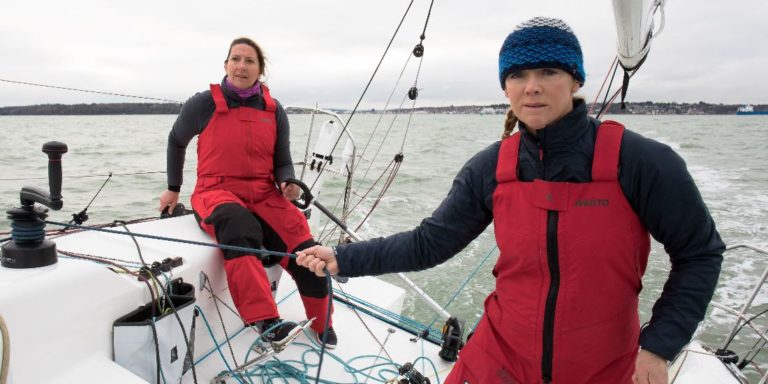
(509, 124)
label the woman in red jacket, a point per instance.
(573, 201)
(241, 198)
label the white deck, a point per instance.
(60, 317)
(696, 365)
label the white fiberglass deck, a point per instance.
(60, 317)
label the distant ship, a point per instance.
(749, 110)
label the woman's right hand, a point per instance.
(317, 259)
(168, 199)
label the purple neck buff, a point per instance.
(244, 93)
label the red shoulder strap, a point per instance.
(605, 162)
(506, 167)
(268, 100)
(218, 98)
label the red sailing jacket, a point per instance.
(565, 308)
(235, 165)
(240, 142)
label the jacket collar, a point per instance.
(563, 132)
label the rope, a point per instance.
(85, 176)
(466, 281)
(216, 344)
(221, 246)
(365, 90)
(88, 91)
(167, 299)
(597, 95)
(387, 184)
(4, 365)
(386, 108)
(207, 281)
(211, 245)
(605, 105)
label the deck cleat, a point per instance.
(273, 347)
(264, 351)
(302, 326)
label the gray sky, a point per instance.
(324, 51)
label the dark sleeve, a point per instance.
(460, 218)
(663, 194)
(193, 117)
(282, 161)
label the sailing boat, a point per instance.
(84, 321)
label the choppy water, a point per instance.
(725, 154)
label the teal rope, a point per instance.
(466, 281)
(431, 363)
(396, 316)
(389, 317)
(277, 371)
(221, 354)
(287, 296)
(414, 324)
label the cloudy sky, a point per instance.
(324, 51)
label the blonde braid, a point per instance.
(509, 124)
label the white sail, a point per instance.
(634, 28)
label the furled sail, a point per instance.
(634, 27)
(635, 30)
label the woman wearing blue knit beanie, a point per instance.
(573, 201)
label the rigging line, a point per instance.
(99, 191)
(347, 197)
(370, 189)
(309, 138)
(96, 258)
(384, 189)
(386, 108)
(81, 216)
(167, 297)
(215, 344)
(426, 22)
(323, 236)
(365, 90)
(174, 240)
(597, 95)
(209, 288)
(357, 313)
(327, 321)
(381, 144)
(391, 40)
(466, 281)
(413, 105)
(604, 106)
(618, 91)
(221, 318)
(755, 350)
(745, 322)
(88, 91)
(86, 176)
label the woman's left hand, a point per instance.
(290, 191)
(650, 369)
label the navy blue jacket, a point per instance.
(654, 180)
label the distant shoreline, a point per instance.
(633, 108)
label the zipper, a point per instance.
(554, 287)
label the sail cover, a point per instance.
(634, 27)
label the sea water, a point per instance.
(726, 155)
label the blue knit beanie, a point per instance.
(541, 42)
